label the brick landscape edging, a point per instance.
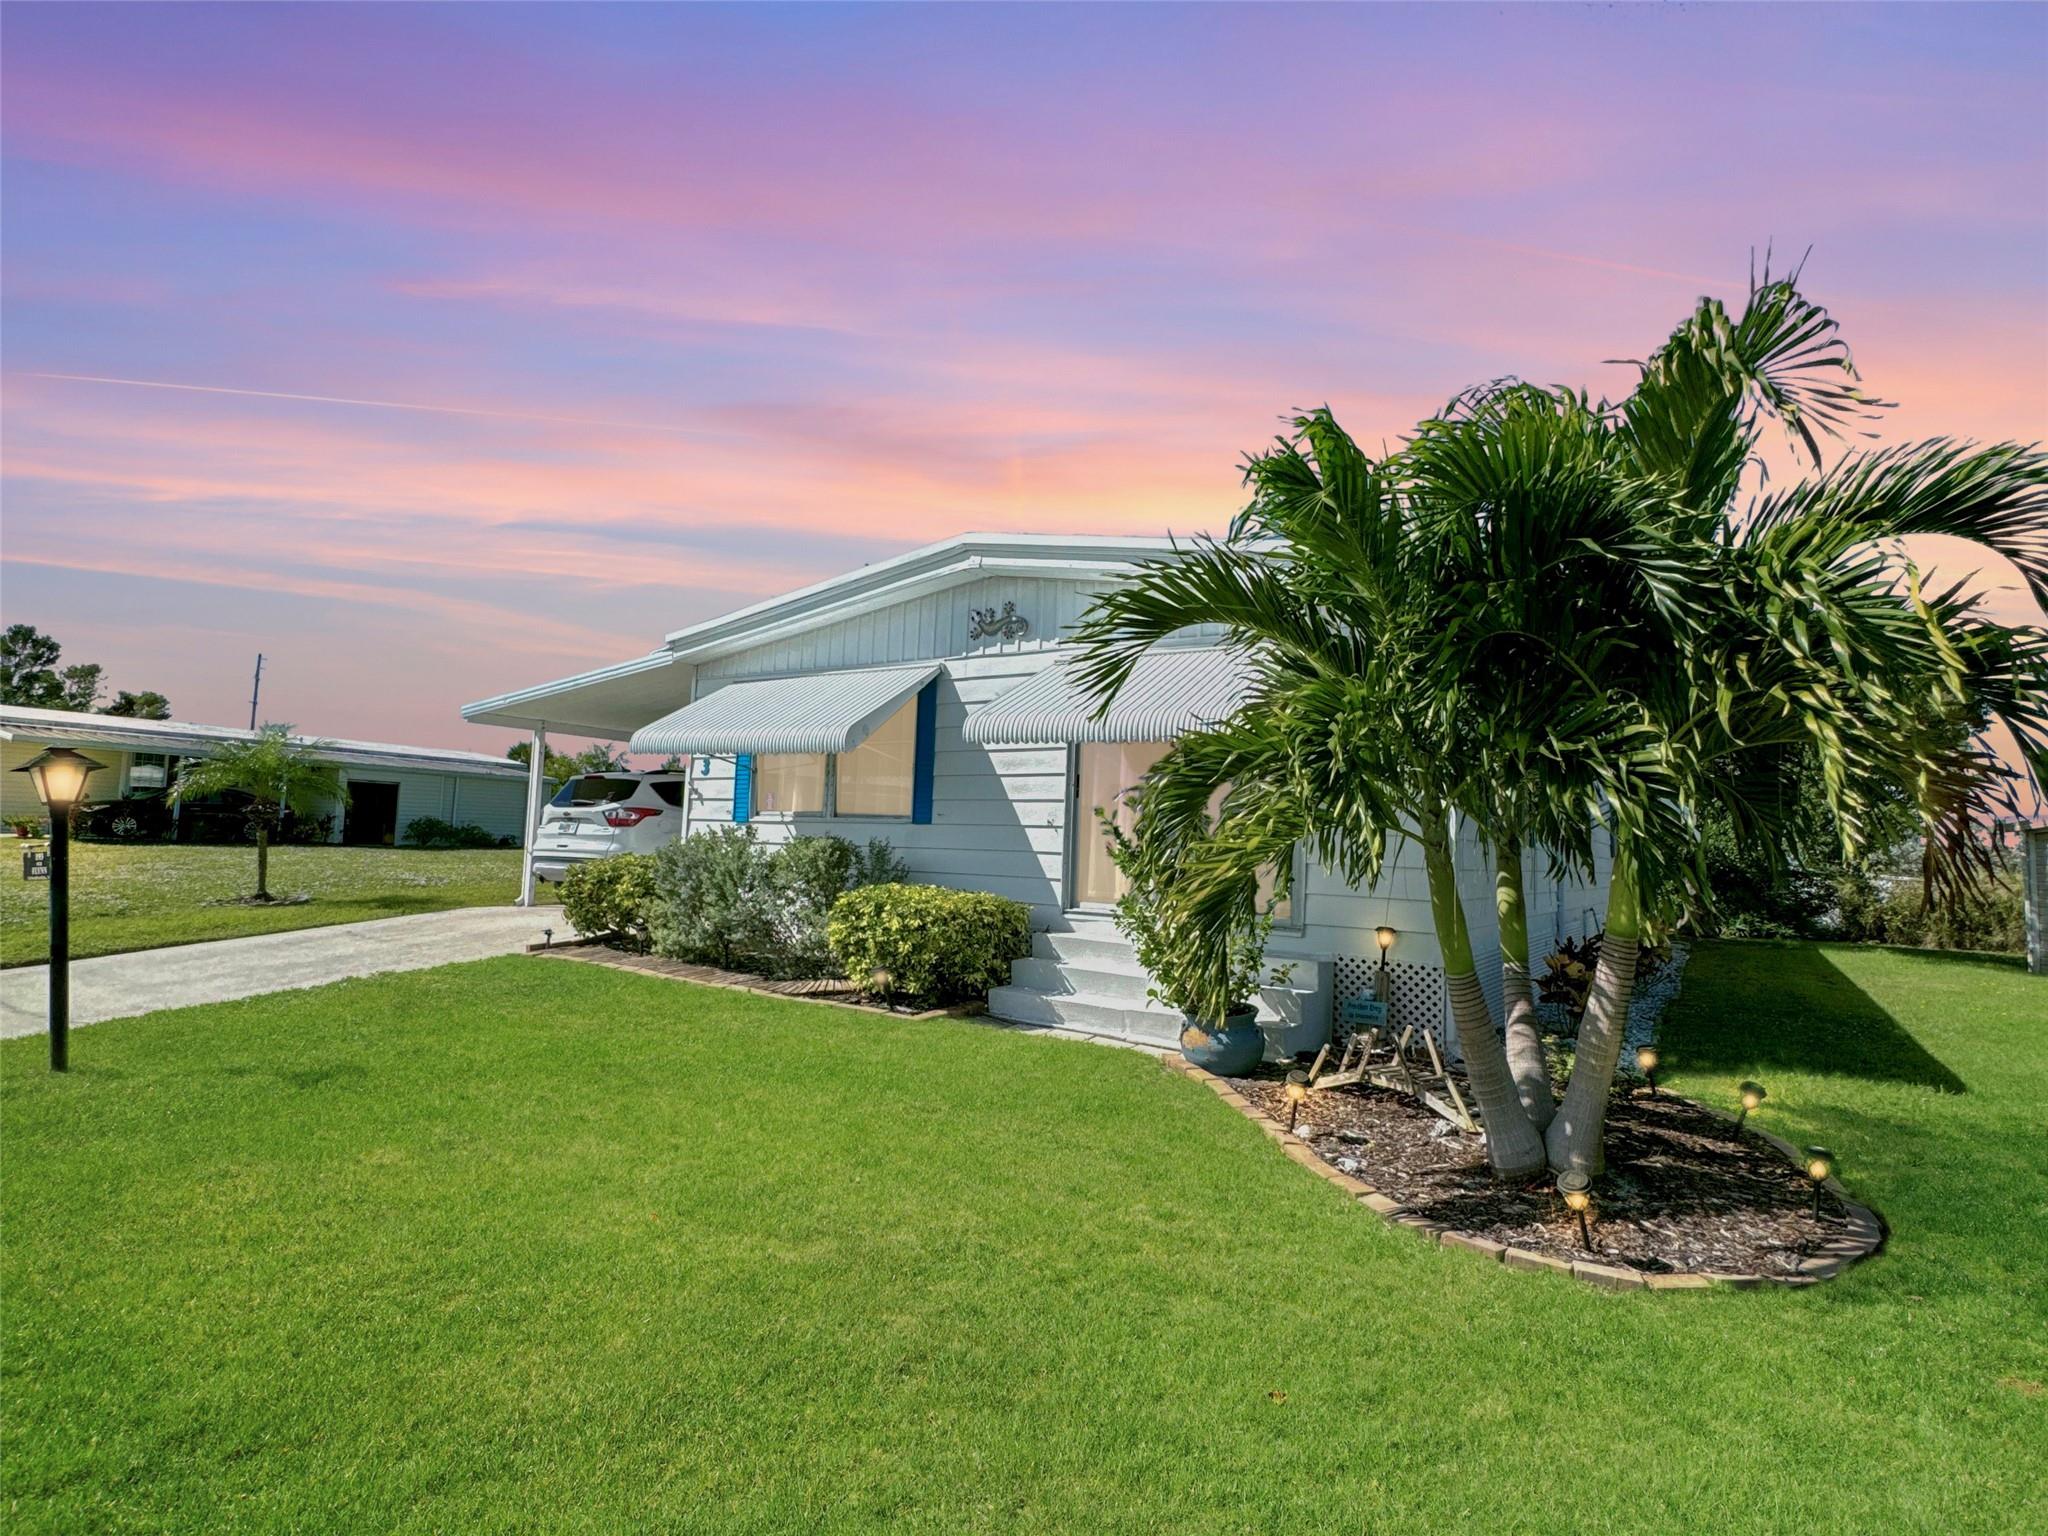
(1864, 1232)
(596, 952)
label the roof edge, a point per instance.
(934, 565)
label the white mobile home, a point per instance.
(389, 786)
(926, 700)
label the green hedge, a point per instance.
(927, 944)
(433, 832)
(611, 896)
(721, 897)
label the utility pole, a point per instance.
(255, 690)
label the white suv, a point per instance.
(595, 815)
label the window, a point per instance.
(148, 770)
(670, 792)
(887, 777)
(789, 783)
(876, 778)
(595, 789)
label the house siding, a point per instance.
(1000, 814)
(496, 805)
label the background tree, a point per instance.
(146, 705)
(599, 757)
(30, 676)
(28, 667)
(279, 776)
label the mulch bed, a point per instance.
(1681, 1192)
(841, 993)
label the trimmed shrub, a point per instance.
(712, 899)
(804, 878)
(433, 832)
(928, 944)
(721, 898)
(611, 896)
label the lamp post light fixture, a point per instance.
(1297, 1091)
(1820, 1162)
(1752, 1095)
(1646, 1063)
(59, 776)
(1578, 1199)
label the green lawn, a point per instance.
(128, 897)
(526, 1245)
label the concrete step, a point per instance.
(1103, 978)
(1098, 942)
(1086, 1015)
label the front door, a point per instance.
(1103, 774)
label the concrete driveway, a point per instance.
(119, 986)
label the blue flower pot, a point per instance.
(1230, 1051)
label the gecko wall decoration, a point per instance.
(988, 623)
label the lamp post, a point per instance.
(59, 775)
(1384, 937)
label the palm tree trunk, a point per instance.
(1513, 1144)
(1524, 1041)
(1576, 1137)
(262, 862)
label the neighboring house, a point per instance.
(389, 786)
(926, 700)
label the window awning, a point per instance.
(1170, 692)
(818, 712)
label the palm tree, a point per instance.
(1541, 613)
(279, 775)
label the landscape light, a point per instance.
(1646, 1063)
(1384, 937)
(547, 938)
(1752, 1095)
(1297, 1090)
(1578, 1199)
(59, 776)
(1820, 1162)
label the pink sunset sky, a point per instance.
(440, 351)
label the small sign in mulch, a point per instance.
(1682, 1191)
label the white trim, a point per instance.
(536, 794)
(183, 738)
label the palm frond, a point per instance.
(1996, 497)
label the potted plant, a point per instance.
(1212, 982)
(24, 826)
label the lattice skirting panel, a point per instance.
(1416, 993)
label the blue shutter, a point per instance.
(927, 751)
(743, 787)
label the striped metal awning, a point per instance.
(1171, 691)
(818, 712)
